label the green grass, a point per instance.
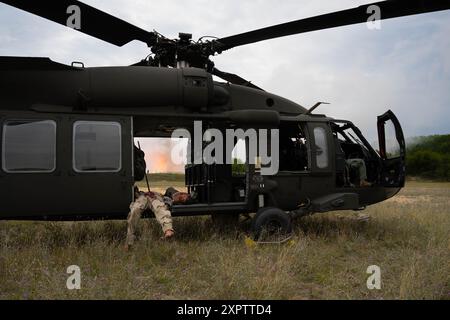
(408, 237)
(160, 180)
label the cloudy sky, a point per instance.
(405, 66)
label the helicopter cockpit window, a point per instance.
(351, 144)
(392, 144)
(320, 139)
(97, 146)
(293, 148)
(29, 146)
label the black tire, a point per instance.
(272, 222)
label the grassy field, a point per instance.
(160, 181)
(407, 237)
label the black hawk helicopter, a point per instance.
(67, 131)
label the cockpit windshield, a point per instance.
(350, 139)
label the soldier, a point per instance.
(144, 201)
(359, 165)
(159, 205)
(139, 164)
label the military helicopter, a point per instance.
(67, 131)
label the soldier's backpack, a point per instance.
(140, 166)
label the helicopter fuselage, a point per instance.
(67, 144)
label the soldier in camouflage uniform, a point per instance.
(155, 202)
(360, 166)
(146, 201)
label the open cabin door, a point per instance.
(392, 150)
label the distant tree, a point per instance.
(429, 157)
(424, 163)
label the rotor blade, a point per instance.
(388, 9)
(86, 19)
(234, 79)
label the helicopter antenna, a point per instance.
(314, 107)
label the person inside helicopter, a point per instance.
(293, 150)
(350, 159)
(139, 163)
(357, 167)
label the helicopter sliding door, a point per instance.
(392, 150)
(65, 166)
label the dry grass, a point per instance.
(327, 258)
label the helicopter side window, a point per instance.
(320, 139)
(29, 146)
(97, 146)
(392, 144)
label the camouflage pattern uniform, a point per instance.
(153, 201)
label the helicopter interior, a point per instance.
(227, 183)
(349, 145)
(293, 148)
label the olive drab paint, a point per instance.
(154, 102)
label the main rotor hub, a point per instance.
(181, 52)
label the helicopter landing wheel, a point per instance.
(271, 225)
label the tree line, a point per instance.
(429, 157)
